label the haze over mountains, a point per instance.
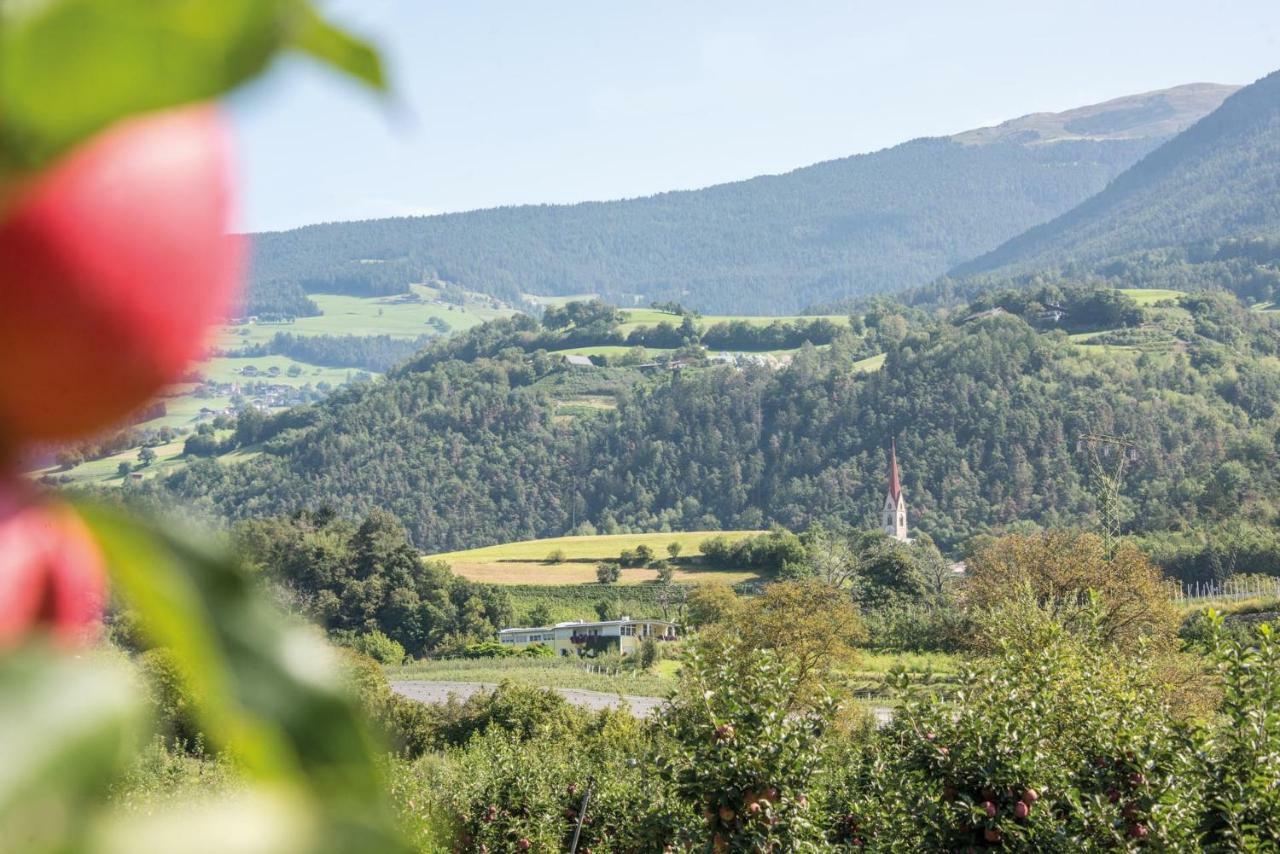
(866, 224)
(1209, 196)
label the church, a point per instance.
(894, 515)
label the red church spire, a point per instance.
(895, 486)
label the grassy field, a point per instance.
(613, 350)
(1150, 296)
(105, 471)
(397, 316)
(526, 562)
(541, 300)
(542, 673)
(635, 317)
(230, 369)
(870, 364)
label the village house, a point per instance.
(622, 636)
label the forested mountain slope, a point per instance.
(986, 415)
(1209, 195)
(770, 245)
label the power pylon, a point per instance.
(1108, 457)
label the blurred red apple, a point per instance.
(51, 571)
(114, 265)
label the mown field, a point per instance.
(529, 562)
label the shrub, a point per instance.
(1064, 566)
(648, 655)
(555, 556)
(380, 648)
(1056, 744)
(666, 572)
(173, 705)
(1244, 771)
(608, 573)
(732, 751)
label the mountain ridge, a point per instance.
(864, 224)
(1216, 181)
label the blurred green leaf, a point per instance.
(270, 691)
(67, 727)
(252, 821)
(69, 68)
(338, 48)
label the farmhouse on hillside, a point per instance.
(622, 636)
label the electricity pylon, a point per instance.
(1108, 457)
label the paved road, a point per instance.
(438, 692)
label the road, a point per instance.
(438, 692)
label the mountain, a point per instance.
(774, 244)
(1208, 196)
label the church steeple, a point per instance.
(894, 515)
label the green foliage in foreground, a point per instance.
(1055, 744)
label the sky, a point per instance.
(515, 102)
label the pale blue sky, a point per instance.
(566, 100)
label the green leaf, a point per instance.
(69, 68)
(67, 726)
(338, 48)
(268, 690)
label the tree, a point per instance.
(608, 572)
(666, 572)
(812, 626)
(712, 602)
(124, 469)
(540, 615)
(1064, 567)
(146, 456)
(648, 654)
(673, 550)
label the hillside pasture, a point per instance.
(400, 316)
(633, 318)
(1151, 296)
(527, 562)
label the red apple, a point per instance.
(114, 265)
(989, 808)
(1138, 831)
(523, 844)
(1030, 796)
(1021, 810)
(992, 834)
(52, 575)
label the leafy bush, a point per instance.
(608, 572)
(173, 706)
(380, 648)
(733, 751)
(1056, 744)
